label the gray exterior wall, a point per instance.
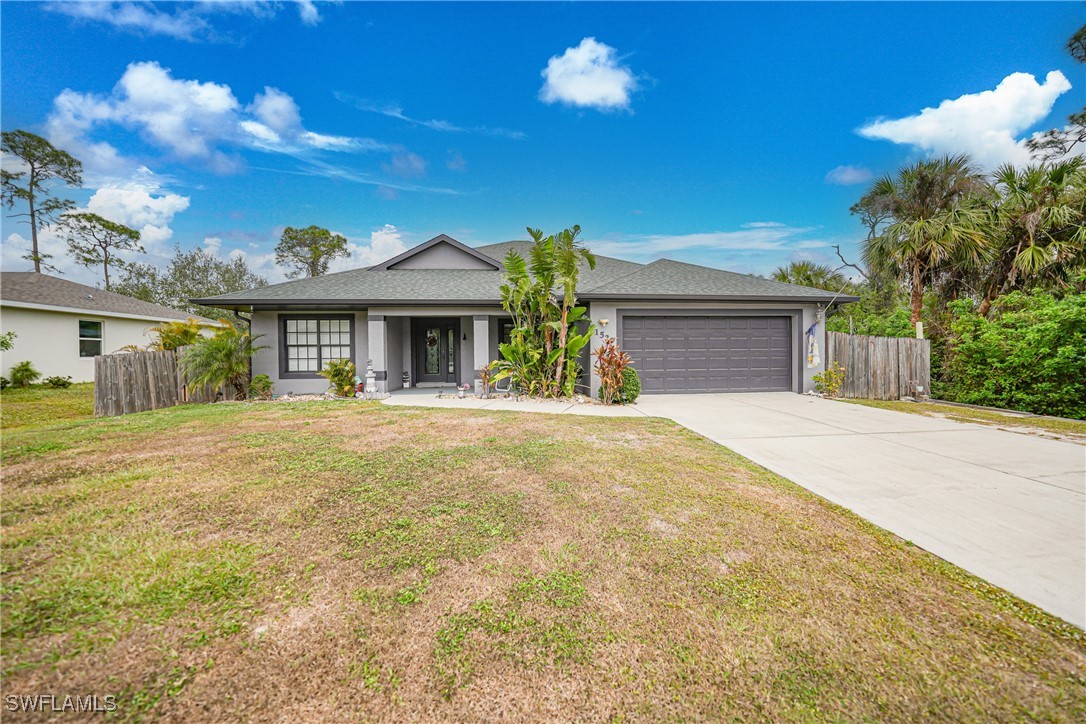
(442, 256)
(613, 312)
(266, 361)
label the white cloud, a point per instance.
(848, 175)
(395, 111)
(406, 165)
(589, 75)
(755, 236)
(141, 210)
(181, 21)
(986, 124)
(191, 120)
(384, 243)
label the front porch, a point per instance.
(430, 350)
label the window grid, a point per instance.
(312, 343)
(90, 338)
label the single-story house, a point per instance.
(432, 316)
(61, 326)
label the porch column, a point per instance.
(481, 339)
(378, 345)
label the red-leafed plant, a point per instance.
(611, 362)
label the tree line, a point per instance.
(32, 181)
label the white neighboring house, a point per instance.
(61, 326)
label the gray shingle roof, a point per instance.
(612, 278)
(35, 288)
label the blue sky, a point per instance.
(732, 135)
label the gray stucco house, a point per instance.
(432, 317)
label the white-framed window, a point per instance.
(309, 344)
(90, 338)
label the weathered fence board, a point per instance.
(881, 368)
(137, 381)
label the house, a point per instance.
(432, 317)
(61, 325)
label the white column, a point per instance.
(481, 338)
(378, 347)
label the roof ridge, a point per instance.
(640, 268)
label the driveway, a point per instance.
(1007, 507)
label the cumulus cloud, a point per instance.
(180, 21)
(142, 210)
(191, 120)
(848, 175)
(589, 75)
(384, 243)
(986, 125)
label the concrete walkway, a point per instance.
(1007, 507)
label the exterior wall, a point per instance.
(266, 361)
(442, 256)
(50, 340)
(396, 328)
(612, 311)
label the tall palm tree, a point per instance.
(809, 274)
(222, 359)
(1041, 222)
(935, 219)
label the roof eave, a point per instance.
(840, 299)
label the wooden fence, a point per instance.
(138, 381)
(881, 368)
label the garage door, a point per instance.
(710, 354)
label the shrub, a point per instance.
(7, 341)
(611, 363)
(631, 386)
(57, 382)
(4, 383)
(171, 335)
(829, 381)
(261, 387)
(222, 359)
(1028, 354)
(341, 374)
(24, 374)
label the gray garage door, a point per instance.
(710, 354)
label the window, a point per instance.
(309, 344)
(505, 330)
(90, 338)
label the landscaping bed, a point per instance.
(330, 562)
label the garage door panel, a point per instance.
(702, 353)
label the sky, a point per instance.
(731, 135)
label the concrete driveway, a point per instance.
(1007, 507)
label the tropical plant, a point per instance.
(261, 387)
(341, 374)
(809, 274)
(7, 341)
(23, 374)
(1041, 228)
(57, 382)
(171, 335)
(95, 240)
(611, 363)
(932, 217)
(41, 164)
(221, 359)
(631, 386)
(549, 329)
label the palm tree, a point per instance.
(220, 360)
(1040, 217)
(171, 335)
(935, 219)
(809, 274)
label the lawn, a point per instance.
(351, 560)
(1008, 420)
(37, 405)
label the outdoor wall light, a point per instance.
(604, 322)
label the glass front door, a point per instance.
(435, 350)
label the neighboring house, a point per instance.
(433, 315)
(62, 326)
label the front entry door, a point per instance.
(436, 349)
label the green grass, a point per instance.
(38, 405)
(418, 564)
(980, 417)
